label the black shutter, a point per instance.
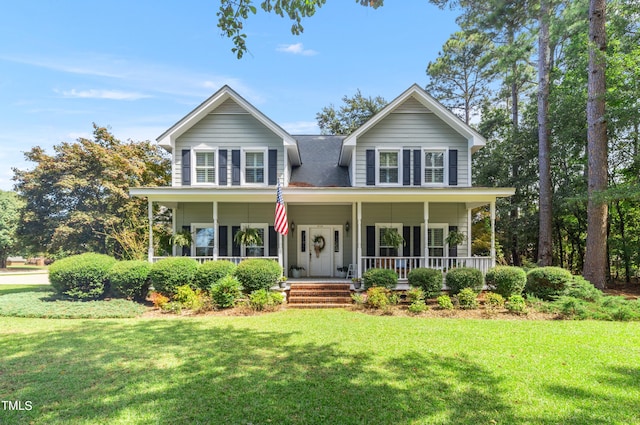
(186, 167)
(222, 167)
(417, 167)
(222, 241)
(417, 242)
(453, 250)
(235, 167)
(273, 242)
(186, 250)
(273, 167)
(371, 167)
(453, 167)
(235, 248)
(406, 234)
(406, 167)
(371, 241)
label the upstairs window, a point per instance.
(205, 169)
(434, 169)
(388, 167)
(254, 167)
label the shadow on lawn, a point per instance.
(179, 371)
(195, 371)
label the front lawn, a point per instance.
(319, 367)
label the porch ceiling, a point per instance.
(316, 195)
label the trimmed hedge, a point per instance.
(81, 277)
(464, 277)
(169, 273)
(211, 272)
(429, 280)
(548, 282)
(506, 280)
(380, 277)
(257, 273)
(130, 279)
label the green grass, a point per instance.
(43, 303)
(320, 367)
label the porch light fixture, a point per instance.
(293, 226)
(347, 226)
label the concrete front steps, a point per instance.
(319, 295)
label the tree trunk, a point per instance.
(545, 237)
(595, 264)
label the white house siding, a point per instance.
(411, 130)
(226, 131)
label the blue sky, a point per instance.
(139, 66)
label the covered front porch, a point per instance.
(332, 230)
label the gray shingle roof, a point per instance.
(320, 162)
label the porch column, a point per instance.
(493, 233)
(359, 230)
(150, 217)
(469, 238)
(426, 233)
(280, 253)
(215, 230)
(354, 233)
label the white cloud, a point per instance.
(296, 49)
(103, 94)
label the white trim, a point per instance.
(195, 226)
(265, 238)
(194, 158)
(398, 151)
(243, 166)
(445, 165)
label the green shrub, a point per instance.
(574, 308)
(506, 280)
(211, 272)
(258, 273)
(190, 299)
(169, 273)
(358, 299)
(130, 279)
(226, 291)
(415, 294)
(380, 277)
(581, 288)
(265, 300)
(445, 303)
(548, 282)
(467, 299)
(429, 280)
(493, 301)
(516, 304)
(417, 307)
(81, 277)
(464, 277)
(378, 297)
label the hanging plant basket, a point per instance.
(318, 244)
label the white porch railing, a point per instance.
(403, 265)
(235, 260)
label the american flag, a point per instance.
(281, 223)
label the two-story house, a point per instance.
(408, 168)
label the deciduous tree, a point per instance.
(354, 112)
(10, 207)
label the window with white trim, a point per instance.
(205, 167)
(203, 239)
(388, 167)
(256, 250)
(436, 235)
(434, 166)
(384, 249)
(254, 167)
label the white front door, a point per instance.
(320, 252)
